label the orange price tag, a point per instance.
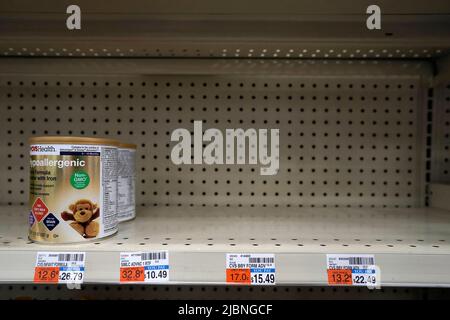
(46, 274)
(238, 276)
(132, 274)
(340, 276)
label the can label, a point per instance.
(73, 192)
(126, 203)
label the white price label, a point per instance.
(352, 269)
(253, 268)
(147, 267)
(59, 267)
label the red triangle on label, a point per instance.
(39, 209)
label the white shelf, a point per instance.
(411, 246)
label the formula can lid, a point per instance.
(72, 140)
(127, 145)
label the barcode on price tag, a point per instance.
(250, 268)
(59, 267)
(352, 269)
(146, 267)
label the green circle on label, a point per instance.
(79, 180)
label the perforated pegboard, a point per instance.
(441, 133)
(346, 139)
(92, 292)
(185, 49)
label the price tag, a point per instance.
(59, 267)
(147, 267)
(352, 269)
(254, 268)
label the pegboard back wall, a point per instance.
(345, 140)
(441, 126)
(159, 292)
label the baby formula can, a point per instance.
(73, 189)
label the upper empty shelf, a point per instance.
(255, 29)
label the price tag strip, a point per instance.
(144, 267)
(59, 267)
(352, 270)
(253, 268)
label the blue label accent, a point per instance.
(51, 221)
(71, 268)
(164, 267)
(70, 153)
(31, 219)
(363, 271)
(262, 270)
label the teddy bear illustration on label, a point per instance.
(83, 214)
